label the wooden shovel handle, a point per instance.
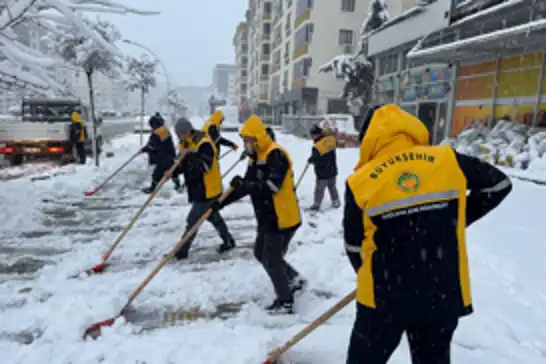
(165, 178)
(276, 353)
(184, 239)
(111, 176)
(302, 175)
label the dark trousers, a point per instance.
(320, 188)
(269, 250)
(158, 173)
(197, 210)
(375, 338)
(79, 152)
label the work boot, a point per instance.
(336, 204)
(298, 284)
(149, 190)
(181, 255)
(226, 246)
(280, 307)
(314, 208)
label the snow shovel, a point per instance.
(224, 154)
(100, 267)
(94, 329)
(110, 177)
(302, 175)
(231, 168)
(274, 356)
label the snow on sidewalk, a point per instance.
(43, 313)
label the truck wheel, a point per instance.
(15, 160)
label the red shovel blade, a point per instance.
(90, 193)
(94, 330)
(98, 268)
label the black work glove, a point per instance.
(243, 156)
(310, 160)
(237, 182)
(215, 205)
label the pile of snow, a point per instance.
(508, 143)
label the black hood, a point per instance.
(156, 122)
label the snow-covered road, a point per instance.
(50, 232)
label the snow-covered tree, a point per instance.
(91, 55)
(356, 69)
(29, 68)
(378, 14)
(177, 103)
(141, 76)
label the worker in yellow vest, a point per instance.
(78, 136)
(269, 180)
(406, 211)
(201, 173)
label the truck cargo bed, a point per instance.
(33, 131)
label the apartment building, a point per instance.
(307, 34)
(258, 23)
(240, 44)
(287, 42)
(221, 75)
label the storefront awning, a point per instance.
(498, 42)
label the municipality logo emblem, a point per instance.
(408, 182)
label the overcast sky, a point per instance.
(189, 36)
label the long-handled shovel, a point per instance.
(302, 174)
(94, 330)
(225, 153)
(274, 355)
(100, 267)
(232, 167)
(110, 177)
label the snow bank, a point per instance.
(508, 144)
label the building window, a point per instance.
(267, 7)
(345, 37)
(348, 6)
(265, 69)
(267, 28)
(266, 49)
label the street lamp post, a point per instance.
(166, 74)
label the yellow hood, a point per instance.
(216, 118)
(76, 117)
(254, 128)
(391, 130)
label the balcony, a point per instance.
(264, 77)
(266, 16)
(265, 57)
(276, 67)
(264, 97)
(300, 51)
(298, 83)
(266, 37)
(306, 15)
(276, 20)
(286, 59)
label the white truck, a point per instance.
(43, 131)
